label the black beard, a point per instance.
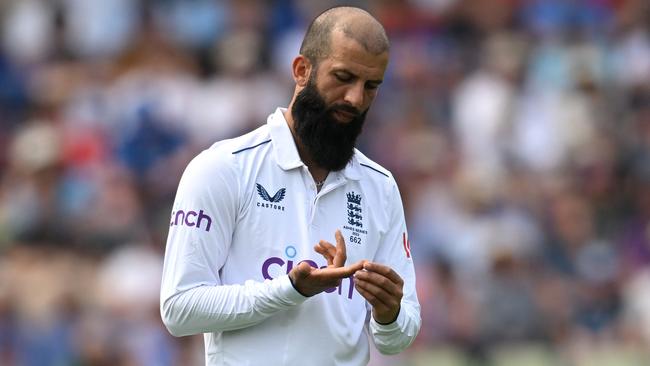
(329, 142)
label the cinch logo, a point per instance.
(191, 219)
(290, 251)
(277, 197)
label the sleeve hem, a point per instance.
(289, 291)
(390, 327)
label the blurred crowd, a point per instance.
(518, 132)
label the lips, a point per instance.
(343, 115)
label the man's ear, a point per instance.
(301, 69)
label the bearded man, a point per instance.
(250, 261)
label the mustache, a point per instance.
(345, 108)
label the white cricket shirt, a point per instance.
(247, 211)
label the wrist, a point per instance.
(293, 284)
(387, 320)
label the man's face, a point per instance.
(330, 110)
(329, 142)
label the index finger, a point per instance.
(383, 270)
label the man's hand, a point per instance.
(382, 288)
(310, 281)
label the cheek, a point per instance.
(329, 92)
(370, 97)
(333, 96)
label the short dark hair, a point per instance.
(317, 42)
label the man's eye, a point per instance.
(343, 78)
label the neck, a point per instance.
(318, 173)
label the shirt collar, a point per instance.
(286, 153)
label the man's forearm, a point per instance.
(220, 308)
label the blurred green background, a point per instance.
(518, 131)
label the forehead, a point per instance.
(348, 54)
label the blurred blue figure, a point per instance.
(49, 344)
(148, 142)
(194, 23)
(14, 99)
(555, 18)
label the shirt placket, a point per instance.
(330, 185)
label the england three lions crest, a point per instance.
(355, 217)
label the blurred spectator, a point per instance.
(519, 132)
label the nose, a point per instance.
(354, 96)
